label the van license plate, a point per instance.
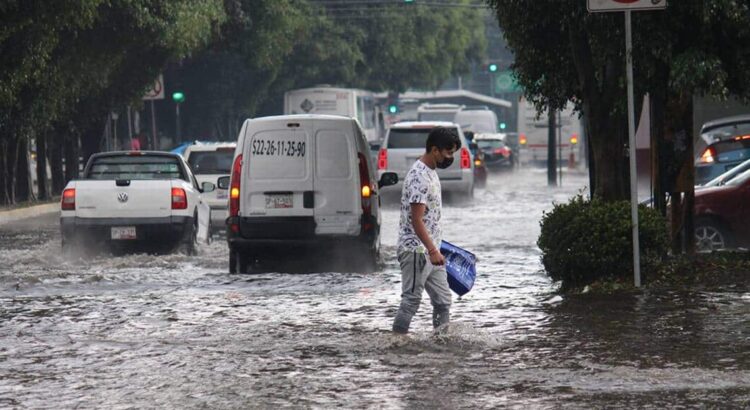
(279, 201)
(123, 232)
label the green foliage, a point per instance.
(583, 241)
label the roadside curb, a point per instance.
(14, 215)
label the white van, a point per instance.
(300, 182)
(438, 112)
(210, 161)
(479, 119)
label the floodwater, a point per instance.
(178, 331)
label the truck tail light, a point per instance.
(522, 139)
(68, 202)
(708, 156)
(179, 198)
(234, 192)
(383, 159)
(465, 158)
(366, 192)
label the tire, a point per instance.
(238, 263)
(710, 236)
(190, 245)
(232, 261)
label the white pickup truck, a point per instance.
(137, 198)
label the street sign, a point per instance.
(505, 82)
(156, 91)
(596, 6)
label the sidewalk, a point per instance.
(17, 214)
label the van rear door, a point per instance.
(337, 186)
(277, 180)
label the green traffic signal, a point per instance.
(502, 125)
(178, 96)
(492, 67)
(393, 108)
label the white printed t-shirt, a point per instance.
(421, 186)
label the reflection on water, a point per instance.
(178, 331)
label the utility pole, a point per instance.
(551, 151)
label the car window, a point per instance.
(727, 131)
(436, 116)
(146, 167)
(409, 137)
(731, 174)
(731, 145)
(211, 162)
(489, 144)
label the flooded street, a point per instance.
(176, 331)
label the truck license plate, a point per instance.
(279, 201)
(123, 232)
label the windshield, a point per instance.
(725, 177)
(726, 131)
(739, 179)
(490, 144)
(211, 162)
(436, 116)
(410, 137)
(135, 167)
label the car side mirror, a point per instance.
(387, 179)
(223, 182)
(208, 187)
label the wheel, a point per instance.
(710, 236)
(238, 263)
(190, 244)
(232, 261)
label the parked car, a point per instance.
(303, 182)
(497, 155)
(137, 198)
(722, 214)
(720, 157)
(209, 162)
(406, 142)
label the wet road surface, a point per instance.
(176, 331)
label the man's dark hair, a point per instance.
(442, 138)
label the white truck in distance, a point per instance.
(533, 134)
(149, 201)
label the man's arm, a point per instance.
(417, 212)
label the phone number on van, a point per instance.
(278, 148)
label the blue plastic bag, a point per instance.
(461, 267)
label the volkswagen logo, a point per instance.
(122, 197)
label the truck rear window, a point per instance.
(211, 162)
(409, 137)
(135, 167)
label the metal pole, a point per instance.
(559, 147)
(130, 129)
(631, 142)
(153, 126)
(177, 118)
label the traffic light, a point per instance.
(492, 68)
(393, 108)
(502, 125)
(178, 96)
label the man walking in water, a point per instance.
(420, 234)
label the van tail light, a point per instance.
(383, 159)
(465, 158)
(68, 202)
(366, 191)
(522, 139)
(708, 156)
(234, 193)
(179, 198)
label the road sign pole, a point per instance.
(153, 127)
(631, 143)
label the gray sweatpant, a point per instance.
(418, 274)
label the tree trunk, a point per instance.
(56, 162)
(41, 167)
(71, 157)
(24, 192)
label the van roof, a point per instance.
(424, 124)
(725, 121)
(210, 146)
(302, 117)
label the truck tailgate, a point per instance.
(139, 199)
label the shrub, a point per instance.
(587, 240)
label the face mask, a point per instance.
(445, 163)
